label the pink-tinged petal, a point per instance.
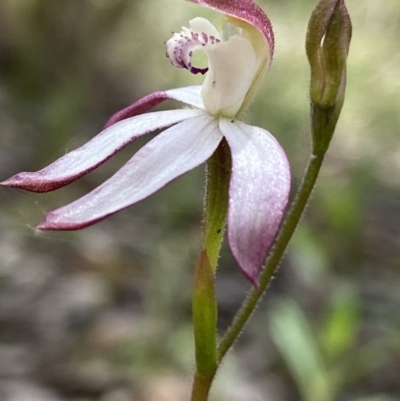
(189, 95)
(169, 155)
(245, 10)
(81, 161)
(258, 193)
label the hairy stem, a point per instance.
(204, 299)
(216, 202)
(201, 386)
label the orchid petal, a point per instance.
(169, 155)
(258, 193)
(189, 95)
(81, 161)
(181, 47)
(246, 10)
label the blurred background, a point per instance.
(104, 314)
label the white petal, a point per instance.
(81, 161)
(169, 155)
(258, 193)
(182, 45)
(190, 95)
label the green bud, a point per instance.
(327, 46)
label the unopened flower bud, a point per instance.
(327, 45)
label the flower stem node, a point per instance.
(327, 46)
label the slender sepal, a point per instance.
(258, 194)
(169, 155)
(81, 161)
(189, 95)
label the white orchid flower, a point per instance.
(238, 58)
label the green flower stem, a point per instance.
(217, 178)
(204, 299)
(201, 386)
(205, 316)
(287, 229)
(216, 201)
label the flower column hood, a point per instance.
(238, 58)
